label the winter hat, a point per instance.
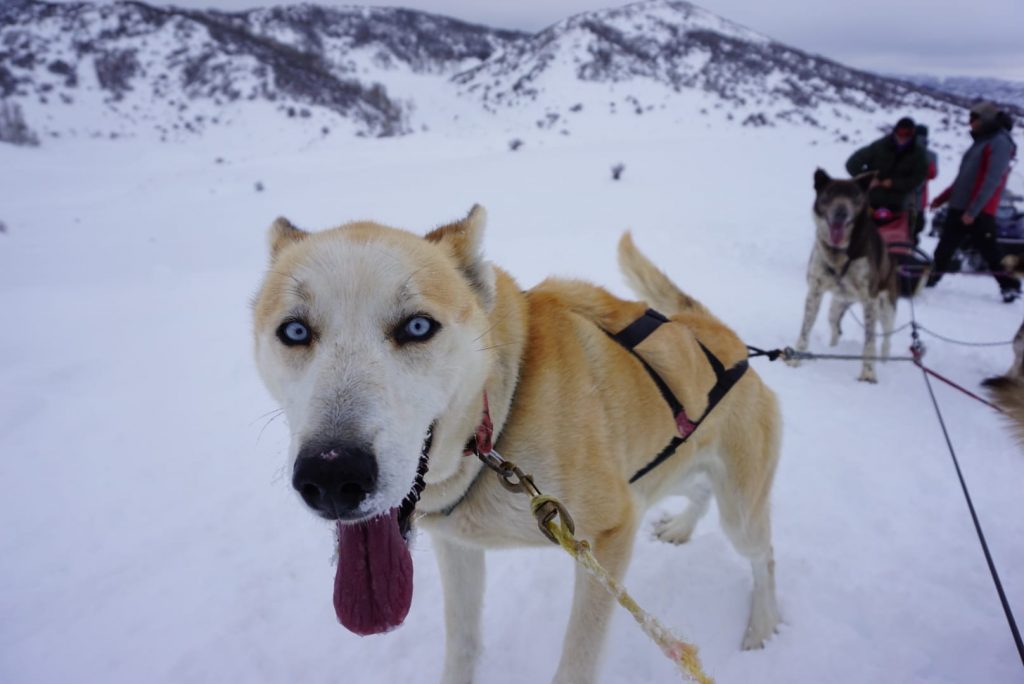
(905, 124)
(985, 111)
(922, 131)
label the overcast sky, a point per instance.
(939, 38)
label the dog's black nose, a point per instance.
(334, 479)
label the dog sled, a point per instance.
(913, 264)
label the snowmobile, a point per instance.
(1009, 235)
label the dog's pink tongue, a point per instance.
(373, 583)
(835, 234)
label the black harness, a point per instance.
(635, 333)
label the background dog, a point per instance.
(382, 347)
(1007, 390)
(849, 260)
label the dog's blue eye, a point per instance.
(417, 328)
(293, 333)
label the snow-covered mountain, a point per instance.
(115, 69)
(681, 47)
(131, 68)
(1005, 92)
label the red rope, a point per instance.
(929, 371)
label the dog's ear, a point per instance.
(464, 241)
(864, 180)
(821, 179)
(283, 233)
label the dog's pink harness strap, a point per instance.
(684, 424)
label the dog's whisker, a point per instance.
(261, 417)
(495, 346)
(267, 424)
(492, 327)
(280, 474)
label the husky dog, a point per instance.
(849, 260)
(387, 351)
(1007, 390)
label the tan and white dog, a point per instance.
(381, 346)
(850, 261)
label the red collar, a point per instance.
(482, 442)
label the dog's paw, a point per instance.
(761, 628)
(868, 375)
(675, 529)
(754, 642)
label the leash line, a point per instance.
(918, 350)
(972, 395)
(810, 356)
(790, 354)
(557, 525)
(881, 334)
(962, 342)
(977, 525)
(934, 334)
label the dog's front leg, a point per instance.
(867, 373)
(814, 294)
(591, 608)
(835, 317)
(462, 578)
(887, 313)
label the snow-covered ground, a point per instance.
(150, 533)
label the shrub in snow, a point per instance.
(13, 128)
(617, 171)
(758, 119)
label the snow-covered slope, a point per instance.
(150, 532)
(133, 69)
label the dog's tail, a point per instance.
(651, 284)
(1008, 394)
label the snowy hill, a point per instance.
(133, 69)
(114, 70)
(670, 51)
(151, 533)
(1009, 93)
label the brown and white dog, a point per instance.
(1007, 390)
(849, 260)
(381, 346)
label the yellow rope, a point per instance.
(684, 655)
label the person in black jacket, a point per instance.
(900, 163)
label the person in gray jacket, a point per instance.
(974, 196)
